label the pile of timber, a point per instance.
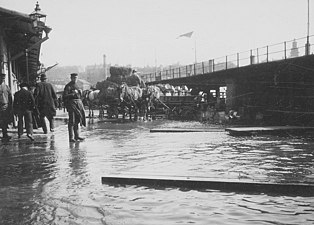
(120, 71)
(121, 75)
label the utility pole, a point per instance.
(155, 62)
(195, 51)
(307, 47)
(27, 70)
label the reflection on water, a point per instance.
(25, 167)
(52, 181)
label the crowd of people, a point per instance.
(32, 106)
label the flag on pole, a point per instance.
(188, 35)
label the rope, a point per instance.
(163, 104)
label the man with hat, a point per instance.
(6, 115)
(23, 106)
(46, 100)
(74, 105)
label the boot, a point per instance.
(70, 129)
(76, 133)
(5, 134)
(43, 124)
(30, 136)
(52, 125)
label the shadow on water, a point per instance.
(77, 162)
(25, 167)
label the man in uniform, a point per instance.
(74, 105)
(46, 99)
(6, 114)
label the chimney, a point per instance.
(105, 66)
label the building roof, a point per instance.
(20, 35)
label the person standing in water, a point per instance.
(74, 105)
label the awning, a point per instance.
(21, 36)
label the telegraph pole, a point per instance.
(307, 48)
(195, 51)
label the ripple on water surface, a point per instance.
(54, 182)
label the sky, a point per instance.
(144, 32)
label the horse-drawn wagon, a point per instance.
(182, 107)
(124, 93)
(119, 94)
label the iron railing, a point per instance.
(274, 52)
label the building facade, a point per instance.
(21, 36)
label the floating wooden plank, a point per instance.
(205, 183)
(267, 130)
(291, 112)
(182, 130)
(61, 118)
(104, 120)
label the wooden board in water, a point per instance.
(268, 130)
(182, 130)
(110, 120)
(206, 183)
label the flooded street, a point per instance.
(52, 181)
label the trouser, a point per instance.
(4, 130)
(27, 116)
(4, 121)
(73, 126)
(73, 129)
(43, 122)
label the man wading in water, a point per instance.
(74, 105)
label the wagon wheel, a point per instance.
(116, 112)
(173, 113)
(123, 110)
(153, 111)
(109, 112)
(112, 112)
(188, 113)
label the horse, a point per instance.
(135, 80)
(130, 98)
(91, 100)
(109, 96)
(166, 89)
(150, 97)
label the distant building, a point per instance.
(63, 72)
(105, 67)
(294, 52)
(83, 84)
(59, 87)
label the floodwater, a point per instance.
(51, 181)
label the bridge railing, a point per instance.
(274, 52)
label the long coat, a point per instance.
(46, 99)
(73, 103)
(23, 101)
(6, 114)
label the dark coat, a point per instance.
(6, 114)
(70, 93)
(46, 98)
(23, 100)
(73, 103)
